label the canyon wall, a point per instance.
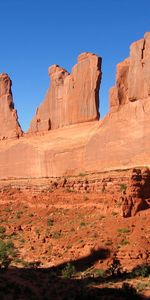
(77, 145)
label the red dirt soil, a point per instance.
(57, 226)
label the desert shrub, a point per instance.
(124, 230)
(82, 174)
(68, 271)
(50, 222)
(116, 267)
(7, 252)
(56, 235)
(19, 214)
(123, 242)
(100, 272)
(143, 270)
(142, 286)
(2, 229)
(123, 187)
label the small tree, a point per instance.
(115, 267)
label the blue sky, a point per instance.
(38, 33)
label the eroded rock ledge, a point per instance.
(127, 191)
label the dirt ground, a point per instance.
(56, 230)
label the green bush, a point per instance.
(123, 242)
(123, 187)
(143, 270)
(100, 272)
(7, 252)
(68, 271)
(124, 230)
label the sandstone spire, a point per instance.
(133, 75)
(9, 126)
(71, 98)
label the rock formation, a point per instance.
(71, 98)
(137, 195)
(119, 141)
(9, 126)
(133, 75)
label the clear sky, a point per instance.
(38, 33)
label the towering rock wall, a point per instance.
(9, 126)
(133, 75)
(119, 141)
(71, 98)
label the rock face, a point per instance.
(119, 141)
(9, 126)
(133, 75)
(71, 98)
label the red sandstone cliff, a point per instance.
(119, 141)
(9, 126)
(133, 76)
(71, 98)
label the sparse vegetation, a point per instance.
(123, 188)
(68, 271)
(108, 242)
(18, 214)
(100, 272)
(7, 252)
(7, 209)
(115, 267)
(142, 270)
(82, 174)
(123, 242)
(56, 234)
(2, 229)
(143, 286)
(82, 224)
(124, 230)
(31, 215)
(50, 222)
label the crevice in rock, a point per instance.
(143, 49)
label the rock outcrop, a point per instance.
(9, 126)
(133, 75)
(137, 194)
(119, 141)
(72, 98)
